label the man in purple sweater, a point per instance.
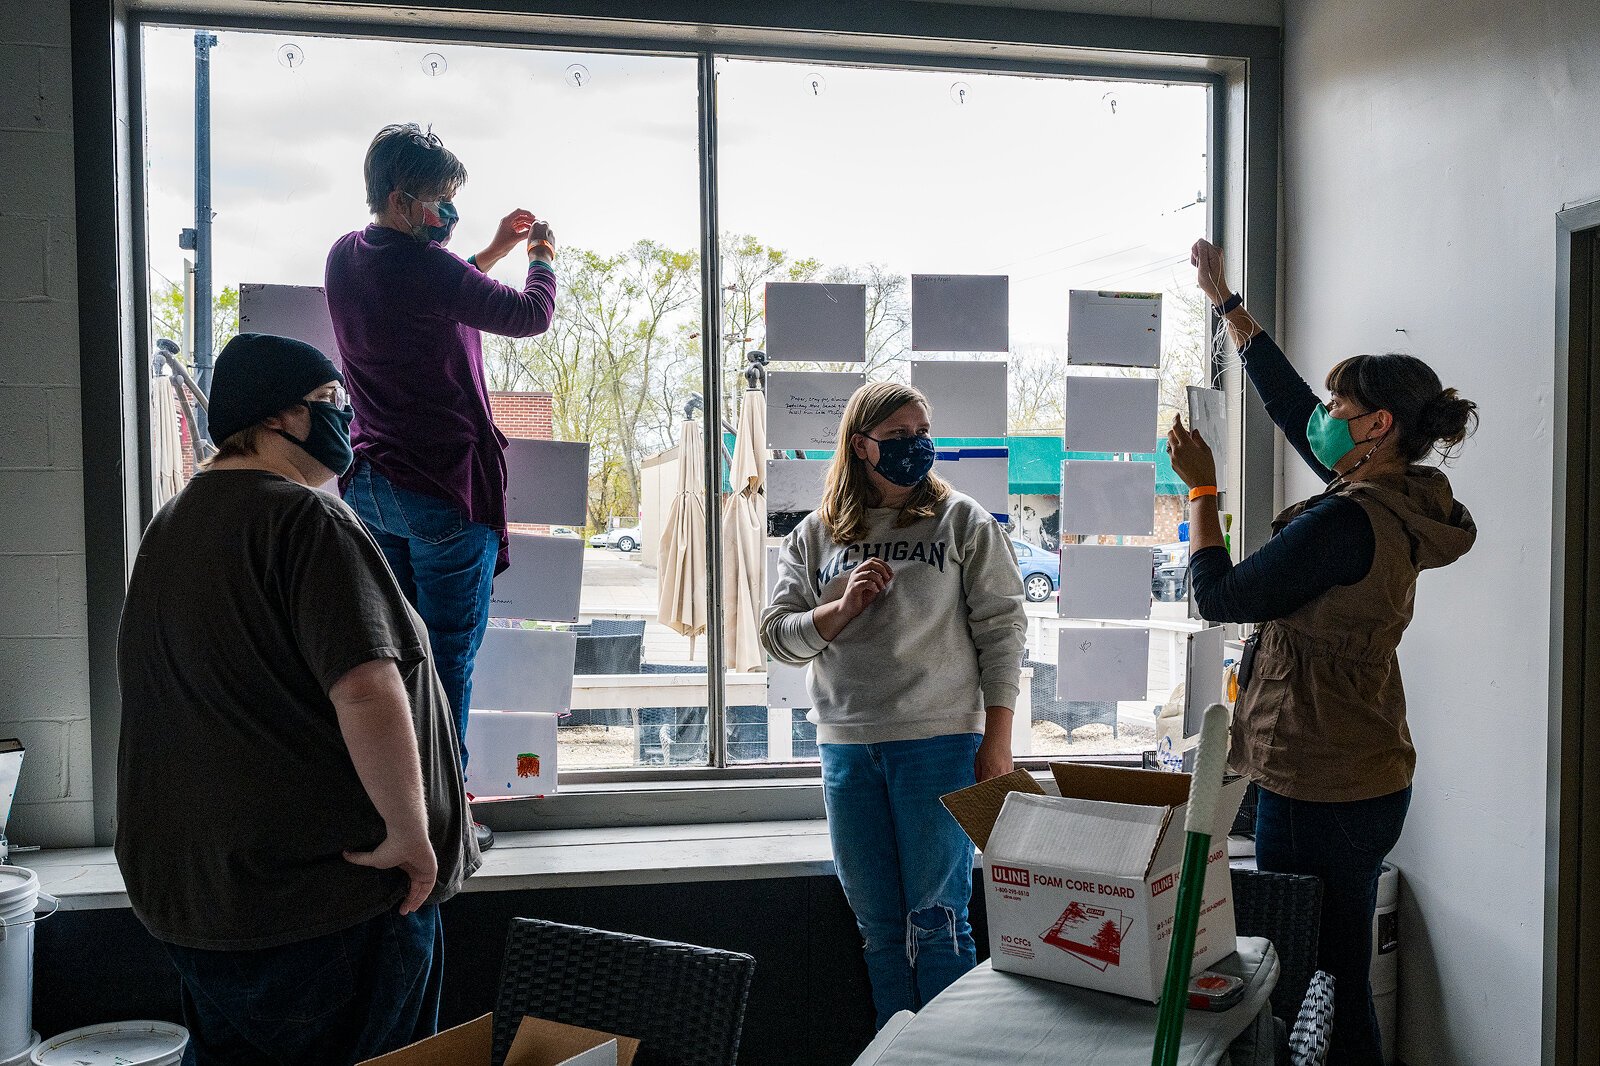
(429, 478)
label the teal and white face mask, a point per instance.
(1330, 437)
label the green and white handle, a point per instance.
(1205, 788)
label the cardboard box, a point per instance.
(513, 754)
(1083, 889)
(537, 1043)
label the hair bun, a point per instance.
(1448, 419)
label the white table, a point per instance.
(993, 1017)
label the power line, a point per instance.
(1143, 268)
(1120, 224)
(1082, 262)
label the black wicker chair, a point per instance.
(1287, 910)
(684, 1004)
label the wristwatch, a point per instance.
(1230, 304)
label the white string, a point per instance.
(1224, 353)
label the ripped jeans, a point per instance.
(905, 865)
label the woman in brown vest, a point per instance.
(1320, 726)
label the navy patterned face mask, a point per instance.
(904, 461)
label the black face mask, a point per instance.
(329, 440)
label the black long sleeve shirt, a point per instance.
(1330, 543)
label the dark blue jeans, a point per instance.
(444, 563)
(905, 865)
(1344, 844)
(333, 1000)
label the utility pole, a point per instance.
(198, 239)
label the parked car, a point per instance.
(1176, 552)
(1041, 570)
(1169, 571)
(1169, 582)
(626, 539)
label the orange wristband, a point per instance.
(1200, 491)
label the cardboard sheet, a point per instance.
(795, 484)
(960, 313)
(815, 322)
(1100, 497)
(1112, 414)
(969, 398)
(804, 408)
(1103, 664)
(298, 311)
(544, 581)
(788, 685)
(547, 482)
(538, 1042)
(513, 753)
(1105, 581)
(1113, 328)
(982, 473)
(1208, 413)
(524, 670)
(1202, 676)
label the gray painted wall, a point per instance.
(1428, 147)
(44, 668)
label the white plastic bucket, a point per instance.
(25, 1056)
(119, 1043)
(1386, 958)
(19, 910)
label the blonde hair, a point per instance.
(241, 445)
(849, 490)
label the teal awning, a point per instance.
(1035, 463)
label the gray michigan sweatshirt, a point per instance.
(941, 643)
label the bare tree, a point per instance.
(1037, 387)
(1186, 360)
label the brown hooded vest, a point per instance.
(1323, 717)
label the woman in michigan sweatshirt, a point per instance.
(904, 597)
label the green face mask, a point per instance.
(1330, 437)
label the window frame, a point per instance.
(1242, 65)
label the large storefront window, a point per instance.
(851, 175)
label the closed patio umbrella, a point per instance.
(166, 444)
(744, 523)
(682, 566)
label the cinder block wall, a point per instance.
(44, 675)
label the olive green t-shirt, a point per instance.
(236, 795)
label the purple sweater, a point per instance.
(406, 316)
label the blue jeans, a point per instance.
(905, 865)
(1344, 844)
(444, 563)
(336, 999)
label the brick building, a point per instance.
(524, 415)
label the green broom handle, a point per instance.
(1205, 787)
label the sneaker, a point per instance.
(484, 834)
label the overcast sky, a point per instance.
(925, 172)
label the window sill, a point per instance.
(653, 850)
(699, 796)
(88, 878)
